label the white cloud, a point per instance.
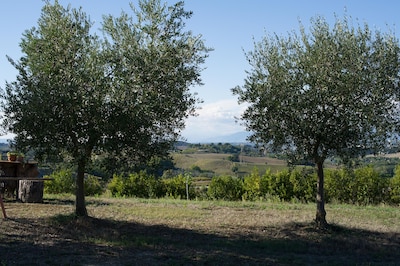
(214, 120)
(9, 136)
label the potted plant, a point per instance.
(12, 156)
(20, 157)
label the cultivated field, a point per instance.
(177, 232)
(218, 163)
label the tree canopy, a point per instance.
(125, 94)
(331, 91)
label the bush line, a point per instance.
(359, 186)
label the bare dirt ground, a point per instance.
(135, 232)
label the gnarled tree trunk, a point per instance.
(320, 218)
(80, 205)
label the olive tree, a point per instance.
(152, 63)
(329, 91)
(125, 94)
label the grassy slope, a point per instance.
(174, 232)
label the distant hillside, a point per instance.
(215, 164)
(4, 146)
(238, 137)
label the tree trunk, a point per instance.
(320, 218)
(80, 205)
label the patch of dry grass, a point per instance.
(177, 232)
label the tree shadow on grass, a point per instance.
(67, 240)
(55, 201)
(58, 201)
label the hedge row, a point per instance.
(142, 185)
(360, 186)
(64, 182)
(284, 186)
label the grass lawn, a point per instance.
(177, 232)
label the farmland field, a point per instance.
(177, 232)
(218, 163)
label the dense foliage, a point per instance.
(362, 186)
(225, 188)
(394, 188)
(64, 182)
(143, 185)
(126, 95)
(331, 91)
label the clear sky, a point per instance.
(228, 26)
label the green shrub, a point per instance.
(201, 193)
(394, 186)
(176, 187)
(63, 182)
(136, 185)
(360, 186)
(338, 185)
(304, 184)
(116, 186)
(285, 185)
(251, 186)
(234, 157)
(225, 188)
(265, 182)
(139, 185)
(156, 188)
(93, 185)
(370, 186)
(281, 186)
(276, 185)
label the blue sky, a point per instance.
(227, 26)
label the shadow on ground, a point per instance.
(66, 240)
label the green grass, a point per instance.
(178, 232)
